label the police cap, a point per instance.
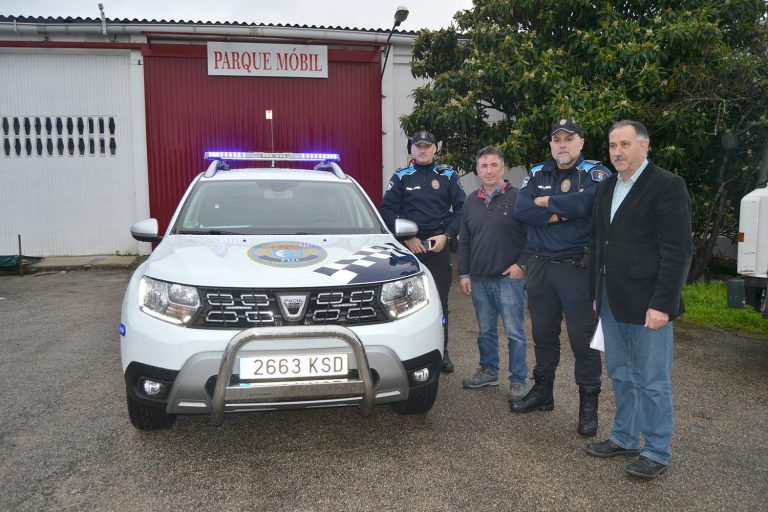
(423, 137)
(566, 124)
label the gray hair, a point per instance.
(640, 129)
(490, 150)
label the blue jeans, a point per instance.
(503, 297)
(639, 362)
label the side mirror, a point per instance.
(405, 228)
(146, 231)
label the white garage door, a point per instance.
(68, 184)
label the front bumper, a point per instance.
(206, 385)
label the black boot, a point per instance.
(539, 398)
(588, 410)
(446, 366)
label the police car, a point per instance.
(277, 288)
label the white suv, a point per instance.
(277, 289)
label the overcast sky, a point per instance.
(370, 14)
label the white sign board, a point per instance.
(261, 59)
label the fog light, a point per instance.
(152, 388)
(420, 375)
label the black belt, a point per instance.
(574, 259)
(428, 234)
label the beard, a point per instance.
(564, 159)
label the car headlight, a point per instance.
(171, 302)
(401, 298)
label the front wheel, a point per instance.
(420, 400)
(148, 418)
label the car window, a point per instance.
(279, 207)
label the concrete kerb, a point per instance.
(69, 263)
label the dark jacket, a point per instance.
(431, 196)
(571, 195)
(491, 239)
(643, 256)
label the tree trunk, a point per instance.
(704, 246)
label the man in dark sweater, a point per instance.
(491, 244)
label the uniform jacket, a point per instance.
(431, 196)
(643, 256)
(491, 238)
(571, 196)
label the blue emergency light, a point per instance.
(243, 155)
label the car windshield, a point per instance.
(277, 207)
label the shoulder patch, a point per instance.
(536, 168)
(390, 185)
(405, 171)
(525, 182)
(445, 170)
(588, 165)
(599, 174)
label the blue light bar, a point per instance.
(242, 155)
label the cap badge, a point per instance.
(562, 122)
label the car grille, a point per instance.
(241, 308)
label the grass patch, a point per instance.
(707, 303)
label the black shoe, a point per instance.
(446, 366)
(609, 449)
(539, 398)
(645, 468)
(588, 410)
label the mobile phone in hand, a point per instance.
(427, 244)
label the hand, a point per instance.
(414, 245)
(542, 201)
(514, 272)
(555, 218)
(655, 319)
(440, 241)
(466, 285)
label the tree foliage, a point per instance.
(694, 72)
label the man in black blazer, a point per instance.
(639, 259)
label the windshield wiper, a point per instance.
(207, 232)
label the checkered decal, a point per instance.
(374, 263)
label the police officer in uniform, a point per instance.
(556, 200)
(432, 197)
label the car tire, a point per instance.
(420, 400)
(148, 418)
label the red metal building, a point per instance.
(189, 112)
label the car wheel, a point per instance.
(144, 417)
(420, 400)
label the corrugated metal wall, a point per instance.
(189, 112)
(66, 181)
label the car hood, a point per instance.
(279, 261)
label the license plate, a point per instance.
(276, 367)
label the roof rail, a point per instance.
(216, 165)
(331, 166)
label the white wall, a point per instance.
(69, 204)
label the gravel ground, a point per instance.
(66, 443)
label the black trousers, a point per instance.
(439, 263)
(556, 289)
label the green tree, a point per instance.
(694, 72)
